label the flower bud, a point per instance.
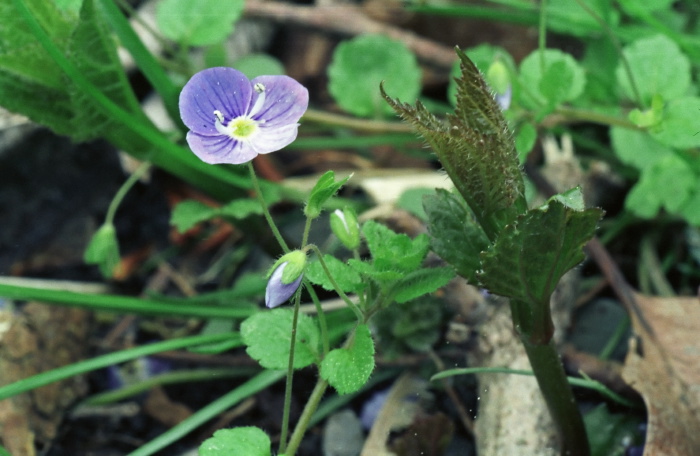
(344, 225)
(286, 277)
(499, 80)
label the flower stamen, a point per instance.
(260, 89)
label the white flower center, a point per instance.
(242, 127)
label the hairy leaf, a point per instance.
(455, 236)
(532, 254)
(476, 149)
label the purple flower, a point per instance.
(277, 292)
(233, 119)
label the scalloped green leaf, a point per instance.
(198, 23)
(666, 184)
(244, 441)
(454, 235)
(561, 80)
(361, 64)
(346, 277)
(679, 126)
(268, 335)
(421, 282)
(658, 67)
(348, 369)
(531, 255)
(394, 251)
(637, 148)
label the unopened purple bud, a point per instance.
(278, 292)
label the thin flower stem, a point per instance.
(123, 190)
(336, 287)
(306, 415)
(585, 115)
(290, 375)
(321, 316)
(266, 211)
(307, 230)
(369, 126)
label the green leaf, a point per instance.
(394, 251)
(254, 65)
(570, 18)
(268, 335)
(199, 23)
(658, 67)
(531, 255)
(93, 51)
(346, 277)
(348, 369)
(103, 250)
(610, 434)
(415, 325)
(325, 188)
(412, 201)
(30, 82)
(476, 149)
(189, 213)
(637, 148)
(455, 236)
(572, 199)
(241, 208)
(690, 209)
(244, 441)
(422, 281)
(561, 80)
(525, 140)
(668, 184)
(383, 277)
(361, 64)
(679, 126)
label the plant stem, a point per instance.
(557, 393)
(266, 211)
(309, 409)
(290, 375)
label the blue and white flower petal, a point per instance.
(233, 119)
(277, 292)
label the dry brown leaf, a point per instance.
(663, 364)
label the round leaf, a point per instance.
(679, 126)
(249, 441)
(658, 67)
(361, 64)
(347, 369)
(562, 80)
(199, 23)
(268, 336)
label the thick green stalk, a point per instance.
(557, 393)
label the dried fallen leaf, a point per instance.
(663, 364)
